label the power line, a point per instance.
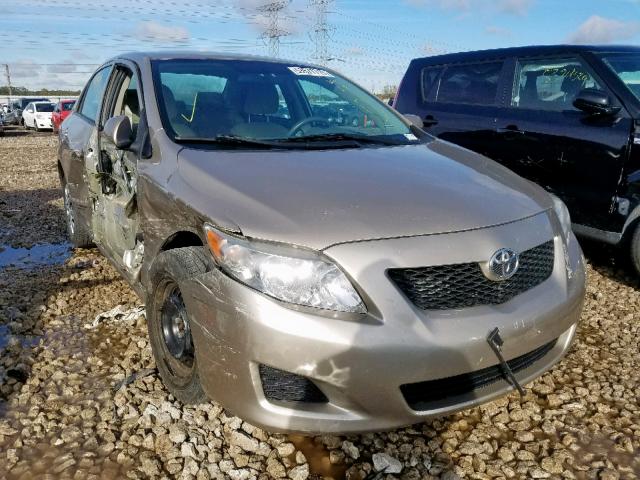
(321, 31)
(8, 74)
(274, 32)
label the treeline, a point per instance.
(23, 91)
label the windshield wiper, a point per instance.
(349, 137)
(229, 140)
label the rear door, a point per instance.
(459, 102)
(78, 143)
(544, 138)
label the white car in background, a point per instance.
(37, 115)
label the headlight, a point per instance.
(289, 274)
(562, 213)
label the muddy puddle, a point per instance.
(25, 341)
(318, 458)
(42, 254)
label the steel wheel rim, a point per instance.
(176, 330)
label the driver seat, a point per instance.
(260, 99)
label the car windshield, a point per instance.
(67, 105)
(44, 107)
(228, 101)
(627, 67)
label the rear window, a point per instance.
(475, 84)
(44, 107)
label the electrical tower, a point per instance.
(321, 31)
(6, 70)
(274, 32)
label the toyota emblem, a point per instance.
(503, 265)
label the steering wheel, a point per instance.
(293, 130)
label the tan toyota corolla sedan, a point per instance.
(309, 258)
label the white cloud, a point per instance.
(354, 51)
(24, 69)
(515, 7)
(67, 66)
(152, 30)
(498, 31)
(597, 29)
(512, 7)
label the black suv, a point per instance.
(565, 117)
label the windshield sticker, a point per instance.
(410, 136)
(310, 72)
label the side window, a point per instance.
(429, 80)
(127, 102)
(475, 84)
(93, 95)
(121, 97)
(550, 84)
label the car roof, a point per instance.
(528, 50)
(139, 57)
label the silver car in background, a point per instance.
(312, 274)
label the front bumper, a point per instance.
(361, 363)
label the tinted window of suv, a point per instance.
(475, 83)
(550, 84)
(429, 80)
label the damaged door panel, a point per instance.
(113, 172)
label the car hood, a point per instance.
(319, 198)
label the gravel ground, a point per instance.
(84, 401)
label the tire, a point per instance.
(635, 248)
(24, 124)
(35, 125)
(78, 235)
(168, 322)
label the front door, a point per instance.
(116, 214)
(544, 138)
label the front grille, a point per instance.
(446, 287)
(289, 387)
(423, 395)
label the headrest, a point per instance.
(261, 98)
(574, 83)
(210, 98)
(131, 100)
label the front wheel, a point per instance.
(635, 248)
(35, 126)
(169, 322)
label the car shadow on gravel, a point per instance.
(611, 261)
(18, 131)
(29, 217)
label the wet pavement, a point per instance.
(82, 399)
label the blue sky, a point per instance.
(56, 43)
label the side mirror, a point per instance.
(118, 130)
(595, 102)
(414, 120)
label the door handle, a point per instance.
(430, 121)
(510, 129)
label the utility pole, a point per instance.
(273, 32)
(8, 74)
(321, 31)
